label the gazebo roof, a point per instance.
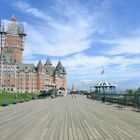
(104, 84)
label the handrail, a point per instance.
(123, 99)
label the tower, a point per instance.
(49, 75)
(60, 76)
(40, 76)
(12, 38)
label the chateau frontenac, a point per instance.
(15, 76)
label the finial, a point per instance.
(13, 18)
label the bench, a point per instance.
(15, 101)
(5, 102)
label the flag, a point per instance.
(102, 72)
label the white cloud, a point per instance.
(81, 60)
(67, 28)
(124, 45)
(87, 82)
(81, 66)
(27, 8)
(59, 40)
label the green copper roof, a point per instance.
(48, 62)
(60, 69)
(26, 67)
(59, 65)
(39, 65)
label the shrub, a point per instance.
(21, 101)
(130, 92)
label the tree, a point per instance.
(137, 92)
(130, 92)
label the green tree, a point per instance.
(130, 92)
(137, 92)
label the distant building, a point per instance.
(16, 76)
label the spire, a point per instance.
(48, 62)
(59, 65)
(13, 18)
(39, 65)
(60, 69)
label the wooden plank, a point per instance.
(67, 118)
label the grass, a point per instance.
(19, 96)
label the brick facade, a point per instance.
(16, 76)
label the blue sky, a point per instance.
(87, 36)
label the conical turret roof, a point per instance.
(60, 69)
(48, 62)
(39, 65)
(59, 65)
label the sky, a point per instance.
(88, 36)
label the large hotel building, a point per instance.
(15, 76)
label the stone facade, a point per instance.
(16, 76)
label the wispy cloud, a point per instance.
(130, 45)
(91, 66)
(29, 9)
(69, 31)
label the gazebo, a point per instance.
(105, 87)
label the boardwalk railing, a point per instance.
(120, 99)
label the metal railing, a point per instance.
(120, 99)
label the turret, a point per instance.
(60, 76)
(39, 65)
(48, 62)
(40, 76)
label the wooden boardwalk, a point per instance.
(67, 118)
